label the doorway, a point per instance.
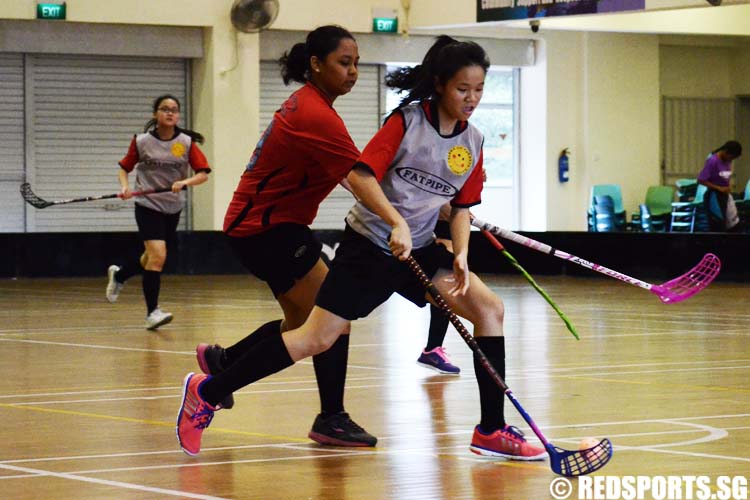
(742, 164)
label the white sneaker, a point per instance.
(157, 318)
(114, 287)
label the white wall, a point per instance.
(533, 122)
(622, 119)
(564, 127)
(740, 81)
(689, 71)
(597, 95)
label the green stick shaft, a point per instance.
(533, 283)
(541, 291)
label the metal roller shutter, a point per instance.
(360, 110)
(11, 142)
(691, 129)
(81, 113)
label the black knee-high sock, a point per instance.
(236, 351)
(491, 398)
(438, 328)
(128, 270)
(151, 285)
(267, 357)
(330, 371)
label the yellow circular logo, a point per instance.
(459, 160)
(178, 149)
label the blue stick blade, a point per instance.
(581, 462)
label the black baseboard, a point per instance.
(647, 256)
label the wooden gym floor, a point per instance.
(88, 397)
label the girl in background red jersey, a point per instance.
(300, 158)
(161, 157)
(426, 154)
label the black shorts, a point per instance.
(443, 230)
(155, 225)
(279, 256)
(363, 276)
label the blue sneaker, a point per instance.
(437, 359)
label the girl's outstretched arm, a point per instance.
(367, 189)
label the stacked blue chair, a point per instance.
(683, 217)
(604, 214)
(686, 189)
(645, 218)
(614, 192)
(701, 215)
(743, 207)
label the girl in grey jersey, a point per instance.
(162, 157)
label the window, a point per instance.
(495, 118)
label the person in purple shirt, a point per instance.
(715, 175)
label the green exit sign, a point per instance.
(385, 24)
(50, 11)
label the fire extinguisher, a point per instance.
(563, 166)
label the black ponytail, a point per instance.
(733, 148)
(295, 64)
(444, 59)
(196, 136)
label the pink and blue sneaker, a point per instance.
(437, 359)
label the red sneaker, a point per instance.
(194, 416)
(507, 442)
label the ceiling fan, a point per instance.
(252, 16)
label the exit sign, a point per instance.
(50, 11)
(385, 24)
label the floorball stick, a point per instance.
(673, 291)
(499, 246)
(37, 202)
(563, 462)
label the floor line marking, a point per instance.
(117, 484)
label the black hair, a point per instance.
(196, 136)
(444, 59)
(295, 64)
(733, 148)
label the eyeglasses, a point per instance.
(174, 111)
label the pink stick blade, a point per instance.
(690, 283)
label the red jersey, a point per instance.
(303, 154)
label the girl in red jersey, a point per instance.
(426, 154)
(161, 157)
(302, 155)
